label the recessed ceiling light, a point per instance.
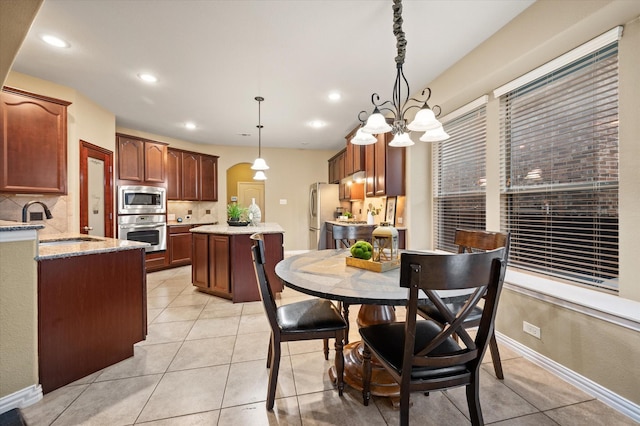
(189, 125)
(316, 124)
(55, 41)
(335, 96)
(149, 78)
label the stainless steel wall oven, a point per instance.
(150, 229)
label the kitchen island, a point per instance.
(91, 305)
(222, 263)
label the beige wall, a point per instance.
(18, 317)
(15, 20)
(582, 343)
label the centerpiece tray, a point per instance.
(237, 223)
(370, 265)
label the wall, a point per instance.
(579, 341)
(18, 317)
(15, 21)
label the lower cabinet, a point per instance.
(179, 245)
(223, 266)
(155, 261)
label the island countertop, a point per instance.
(224, 229)
(90, 245)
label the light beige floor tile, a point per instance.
(538, 386)
(86, 380)
(153, 313)
(167, 332)
(204, 353)
(114, 403)
(199, 299)
(253, 323)
(311, 346)
(200, 419)
(159, 301)
(177, 281)
(310, 372)
(181, 313)
(148, 359)
(218, 310)
(592, 413)
(498, 402)
(192, 289)
(52, 405)
(537, 419)
(216, 299)
(285, 413)
(164, 291)
(214, 327)
(327, 408)
(435, 409)
(186, 392)
(254, 346)
(248, 381)
(251, 308)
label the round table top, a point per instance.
(325, 274)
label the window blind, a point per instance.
(559, 166)
(459, 177)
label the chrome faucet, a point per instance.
(47, 212)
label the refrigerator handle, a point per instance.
(312, 204)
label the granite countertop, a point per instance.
(356, 223)
(265, 228)
(92, 245)
(10, 225)
(191, 222)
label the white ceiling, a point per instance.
(213, 57)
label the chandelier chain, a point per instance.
(401, 41)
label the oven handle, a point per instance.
(159, 225)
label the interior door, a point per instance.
(96, 190)
(249, 190)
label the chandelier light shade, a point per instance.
(259, 163)
(364, 138)
(260, 175)
(425, 119)
(435, 135)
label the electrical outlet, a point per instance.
(283, 201)
(531, 329)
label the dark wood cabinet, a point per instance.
(33, 143)
(141, 161)
(192, 176)
(179, 245)
(354, 156)
(336, 167)
(156, 260)
(384, 167)
(200, 257)
(219, 273)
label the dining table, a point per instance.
(325, 274)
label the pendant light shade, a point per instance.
(259, 164)
(435, 135)
(363, 138)
(401, 139)
(376, 123)
(424, 120)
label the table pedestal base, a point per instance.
(382, 384)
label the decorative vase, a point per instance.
(255, 215)
(370, 220)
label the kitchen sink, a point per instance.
(65, 241)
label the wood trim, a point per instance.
(107, 157)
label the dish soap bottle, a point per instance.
(255, 215)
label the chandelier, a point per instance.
(259, 164)
(425, 119)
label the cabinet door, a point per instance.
(219, 264)
(341, 166)
(348, 160)
(208, 178)
(190, 176)
(174, 174)
(154, 160)
(180, 249)
(200, 264)
(33, 144)
(370, 169)
(130, 159)
(380, 147)
(395, 159)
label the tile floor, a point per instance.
(203, 363)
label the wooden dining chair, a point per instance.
(469, 241)
(421, 355)
(306, 320)
(344, 237)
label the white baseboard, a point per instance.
(20, 399)
(588, 386)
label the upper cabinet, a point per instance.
(354, 155)
(336, 167)
(141, 161)
(191, 176)
(33, 143)
(384, 168)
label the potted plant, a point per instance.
(236, 213)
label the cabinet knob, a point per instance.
(88, 228)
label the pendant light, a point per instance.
(259, 164)
(424, 121)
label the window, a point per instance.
(459, 175)
(559, 186)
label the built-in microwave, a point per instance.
(142, 200)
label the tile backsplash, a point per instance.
(11, 209)
(201, 211)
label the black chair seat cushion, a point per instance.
(387, 341)
(314, 314)
(454, 304)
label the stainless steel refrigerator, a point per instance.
(323, 200)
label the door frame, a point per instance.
(88, 150)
